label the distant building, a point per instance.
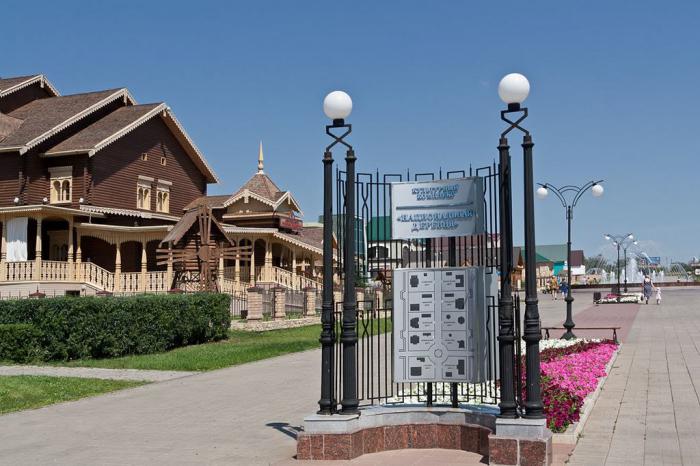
(551, 261)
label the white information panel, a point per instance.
(433, 209)
(440, 325)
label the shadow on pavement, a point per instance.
(286, 429)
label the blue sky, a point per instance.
(615, 88)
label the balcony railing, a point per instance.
(19, 271)
(134, 282)
(97, 276)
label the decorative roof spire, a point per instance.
(260, 159)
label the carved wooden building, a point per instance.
(92, 183)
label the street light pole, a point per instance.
(506, 334)
(337, 106)
(513, 90)
(574, 193)
(625, 270)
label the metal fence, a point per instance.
(374, 350)
(239, 304)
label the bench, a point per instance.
(614, 330)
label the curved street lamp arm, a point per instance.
(583, 189)
(557, 192)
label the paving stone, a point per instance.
(650, 400)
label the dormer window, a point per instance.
(143, 192)
(61, 184)
(163, 196)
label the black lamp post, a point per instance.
(506, 335)
(621, 242)
(337, 106)
(513, 90)
(575, 193)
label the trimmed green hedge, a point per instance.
(20, 343)
(100, 327)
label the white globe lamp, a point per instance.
(597, 190)
(542, 192)
(513, 90)
(337, 106)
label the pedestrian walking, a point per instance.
(658, 295)
(564, 287)
(647, 288)
(554, 287)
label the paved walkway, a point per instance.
(244, 415)
(95, 373)
(649, 409)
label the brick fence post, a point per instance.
(255, 303)
(337, 297)
(309, 301)
(360, 297)
(278, 311)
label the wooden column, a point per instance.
(37, 260)
(267, 272)
(295, 277)
(71, 258)
(118, 267)
(144, 266)
(78, 259)
(3, 251)
(169, 269)
(220, 269)
(237, 271)
(252, 266)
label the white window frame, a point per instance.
(163, 196)
(144, 186)
(60, 175)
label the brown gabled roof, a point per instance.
(90, 138)
(262, 185)
(312, 236)
(577, 258)
(42, 118)
(8, 125)
(186, 222)
(215, 202)
(10, 85)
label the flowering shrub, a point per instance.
(611, 298)
(568, 375)
(569, 372)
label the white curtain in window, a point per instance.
(17, 239)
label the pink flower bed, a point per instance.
(568, 376)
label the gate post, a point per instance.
(255, 304)
(327, 402)
(280, 301)
(348, 334)
(506, 336)
(309, 301)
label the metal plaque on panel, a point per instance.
(433, 209)
(440, 325)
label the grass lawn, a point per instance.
(240, 348)
(19, 392)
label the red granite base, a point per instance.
(468, 437)
(505, 451)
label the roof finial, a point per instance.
(260, 159)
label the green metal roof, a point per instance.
(379, 229)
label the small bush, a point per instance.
(98, 327)
(20, 343)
